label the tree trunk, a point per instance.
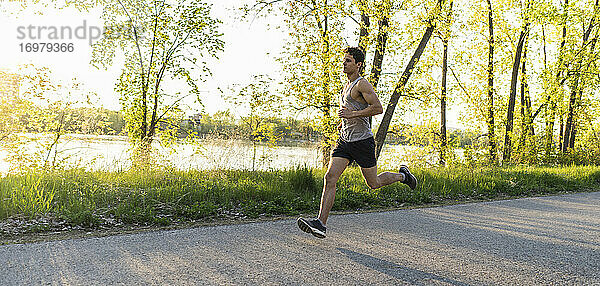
(530, 117)
(443, 142)
(561, 134)
(382, 37)
(569, 125)
(523, 119)
(525, 102)
(389, 111)
(364, 31)
(364, 28)
(572, 137)
(550, 107)
(253, 154)
(144, 125)
(513, 92)
(490, 119)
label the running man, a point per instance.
(358, 103)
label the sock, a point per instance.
(320, 221)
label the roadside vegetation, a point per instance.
(79, 200)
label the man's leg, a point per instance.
(337, 165)
(377, 181)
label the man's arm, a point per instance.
(368, 93)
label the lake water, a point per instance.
(112, 153)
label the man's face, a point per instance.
(350, 64)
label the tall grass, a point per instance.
(26, 198)
(166, 196)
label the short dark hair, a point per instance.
(357, 53)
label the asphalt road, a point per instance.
(537, 241)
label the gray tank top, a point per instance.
(357, 128)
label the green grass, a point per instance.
(162, 197)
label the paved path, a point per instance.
(538, 241)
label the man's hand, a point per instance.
(344, 112)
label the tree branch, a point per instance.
(459, 83)
(171, 107)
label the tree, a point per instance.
(577, 69)
(312, 57)
(261, 104)
(552, 89)
(527, 131)
(389, 111)
(47, 108)
(490, 88)
(513, 91)
(12, 106)
(444, 33)
(161, 41)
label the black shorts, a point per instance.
(362, 151)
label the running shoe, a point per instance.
(312, 226)
(409, 179)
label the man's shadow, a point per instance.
(408, 275)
